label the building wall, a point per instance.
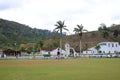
(105, 47)
(67, 49)
(109, 47)
(90, 51)
(53, 52)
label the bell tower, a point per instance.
(67, 48)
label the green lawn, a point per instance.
(67, 69)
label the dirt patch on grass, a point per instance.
(36, 62)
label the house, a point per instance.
(109, 47)
(90, 51)
(105, 48)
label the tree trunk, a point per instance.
(33, 51)
(80, 47)
(60, 45)
(60, 41)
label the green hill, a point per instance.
(12, 32)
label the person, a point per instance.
(58, 55)
(16, 54)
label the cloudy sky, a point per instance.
(43, 14)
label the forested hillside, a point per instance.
(13, 32)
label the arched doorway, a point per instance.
(72, 52)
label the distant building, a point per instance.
(53, 51)
(63, 53)
(1, 52)
(105, 48)
(90, 51)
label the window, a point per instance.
(100, 51)
(103, 51)
(115, 51)
(112, 45)
(103, 44)
(108, 44)
(116, 45)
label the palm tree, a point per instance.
(39, 45)
(79, 30)
(60, 26)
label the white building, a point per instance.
(90, 51)
(105, 48)
(64, 53)
(109, 47)
(68, 48)
(54, 52)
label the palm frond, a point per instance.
(56, 25)
(66, 29)
(61, 25)
(79, 30)
(56, 30)
(76, 30)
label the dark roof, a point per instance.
(48, 49)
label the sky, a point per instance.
(43, 14)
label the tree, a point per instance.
(60, 26)
(105, 34)
(102, 27)
(97, 48)
(9, 46)
(40, 44)
(80, 31)
(115, 33)
(86, 46)
(22, 47)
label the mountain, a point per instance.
(12, 32)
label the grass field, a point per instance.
(67, 69)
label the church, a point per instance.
(63, 52)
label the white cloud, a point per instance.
(43, 14)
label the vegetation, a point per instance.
(97, 48)
(94, 37)
(112, 32)
(60, 26)
(11, 32)
(79, 30)
(70, 69)
(39, 45)
(26, 37)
